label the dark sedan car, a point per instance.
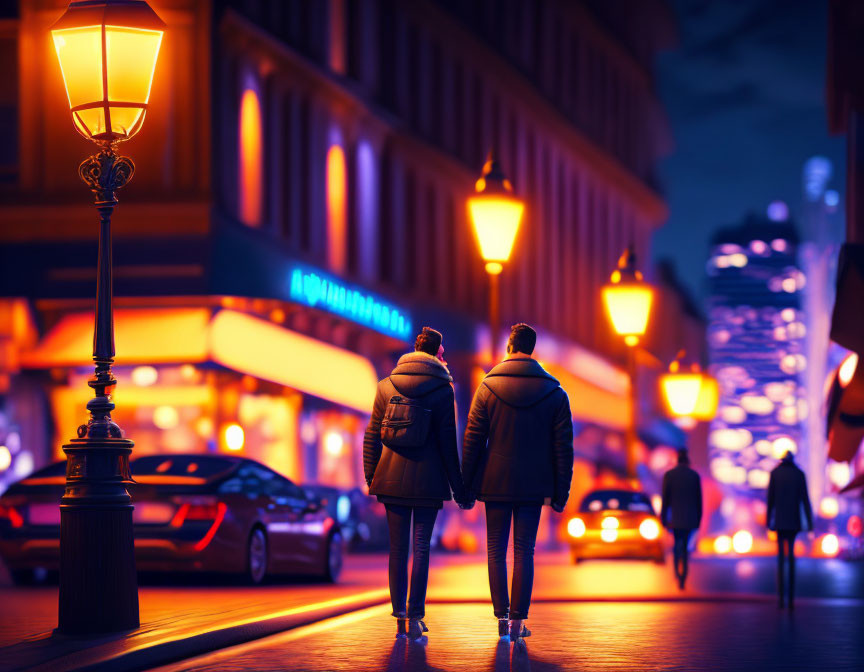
(209, 513)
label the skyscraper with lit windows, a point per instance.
(757, 346)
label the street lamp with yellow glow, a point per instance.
(495, 214)
(628, 300)
(107, 52)
(689, 393)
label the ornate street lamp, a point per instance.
(107, 52)
(495, 214)
(628, 300)
(690, 394)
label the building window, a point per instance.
(250, 163)
(338, 37)
(337, 209)
(367, 210)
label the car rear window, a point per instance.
(196, 466)
(620, 500)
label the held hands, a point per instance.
(466, 502)
(558, 507)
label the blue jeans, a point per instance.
(681, 552)
(399, 522)
(526, 520)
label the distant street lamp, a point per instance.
(689, 394)
(495, 214)
(628, 300)
(107, 52)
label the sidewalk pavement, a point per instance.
(179, 621)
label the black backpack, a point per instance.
(406, 423)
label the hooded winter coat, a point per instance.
(518, 444)
(682, 499)
(419, 476)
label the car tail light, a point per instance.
(11, 514)
(649, 529)
(197, 508)
(576, 527)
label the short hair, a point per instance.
(683, 456)
(428, 341)
(522, 339)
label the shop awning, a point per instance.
(591, 403)
(233, 339)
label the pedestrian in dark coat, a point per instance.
(788, 512)
(681, 511)
(411, 464)
(516, 455)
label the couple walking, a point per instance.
(517, 455)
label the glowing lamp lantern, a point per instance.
(495, 215)
(681, 390)
(628, 299)
(107, 52)
(708, 399)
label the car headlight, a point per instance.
(649, 529)
(576, 527)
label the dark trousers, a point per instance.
(786, 555)
(681, 553)
(399, 522)
(526, 520)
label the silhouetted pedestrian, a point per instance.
(681, 511)
(788, 513)
(411, 463)
(517, 454)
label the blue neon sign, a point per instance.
(317, 290)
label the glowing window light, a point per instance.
(789, 285)
(318, 290)
(742, 542)
(779, 245)
(764, 447)
(796, 330)
(788, 314)
(204, 427)
(334, 443)
(234, 437)
(608, 535)
(144, 376)
(855, 526)
(782, 445)
(649, 529)
(758, 478)
(839, 473)
(832, 198)
(778, 211)
(576, 528)
(830, 545)
(847, 369)
(738, 260)
(730, 439)
(723, 544)
(166, 417)
(781, 334)
(776, 391)
(759, 247)
(337, 209)
(829, 507)
(107, 54)
(23, 465)
(756, 404)
(250, 163)
(5, 458)
(787, 415)
(733, 415)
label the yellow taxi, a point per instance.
(615, 524)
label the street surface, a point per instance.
(588, 637)
(602, 615)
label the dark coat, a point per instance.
(788, 501)
(519, 440)
(682, 499)
(425, 473)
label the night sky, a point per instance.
(745, 95)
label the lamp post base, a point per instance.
(98, 580)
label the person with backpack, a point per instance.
(411, 464)
(517, 455)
